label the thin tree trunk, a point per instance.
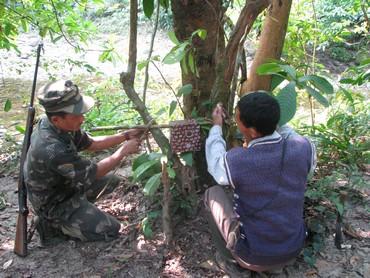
(270, 45)
(166, 214)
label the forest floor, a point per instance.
(131, 255)
(192, 255)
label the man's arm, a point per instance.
(105, 142)
(109, 163)
(215, 153)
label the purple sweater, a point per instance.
(269, 197)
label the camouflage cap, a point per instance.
(64, 96)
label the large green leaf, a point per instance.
(176, 54)
(140, 172)
(276, 80)
(148, 6)
(152, 184)
(287, 98)
(7, 105)
(173, 105)
(268, 68)
(319, 97)
(319, 83)
(185, 90)
(173, 38)
(139, 160)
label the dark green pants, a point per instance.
(79, 218)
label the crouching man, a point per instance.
(262, 224)
(61, 184)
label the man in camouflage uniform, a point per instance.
(62, 185)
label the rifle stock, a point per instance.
(20, 244)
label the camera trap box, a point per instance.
(185, 136)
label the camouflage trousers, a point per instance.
(79, 218)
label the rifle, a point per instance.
(20, 245)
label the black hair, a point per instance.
(259, 110)
(51, 114)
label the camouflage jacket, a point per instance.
(54, 172)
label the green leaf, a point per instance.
(139, 160)
(276, 80)
(148, 6)
(346, 93)
(184, 66)
(24, 25)
(172, 107)
(147, 228)
(188, 158)
(202, 33)
(185, 90)
(139, 173)
(173, 38)
(191, 62)
(152, 184)
(319, 97)
(176, 54)
(287, 98)
(164, 3)
(142, 64)
(7, 105)
(289, 70)
(20, 129)
(268, 68)
(171, 172)
(319, 83)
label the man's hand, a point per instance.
(131, 146)
(218, 115)
(133, 133)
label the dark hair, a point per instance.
(259, 110)
(51, 114)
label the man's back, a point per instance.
(269, 179)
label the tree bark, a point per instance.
(188, 16)
(270, 45)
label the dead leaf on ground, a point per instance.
(7, 264)
(210, 265)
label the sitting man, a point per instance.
(61, 184)
(262, 226)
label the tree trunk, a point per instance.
(270, 45)
(188, 16)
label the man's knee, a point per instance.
(210, 194)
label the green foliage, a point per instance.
(344, 138)
(340, 54)
(184, 52)
(147, 170)
(54, 18)
(357, 75)
(112, 107)
(147, 228)
(314, 85)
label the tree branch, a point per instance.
(150, 52)
(172, 90)
(60, 25)
(243, 26)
